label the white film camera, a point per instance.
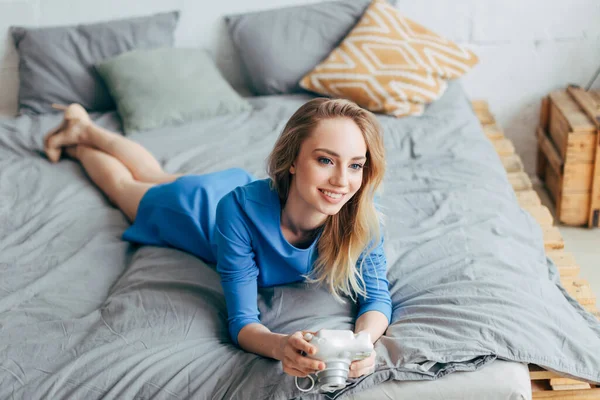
(337, 349)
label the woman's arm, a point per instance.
(236, 266)
(377, 299)
(375, 310)
(239, 272)
(258, 339)
(373, 322)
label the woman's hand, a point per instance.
(363, 367)
(293, 361)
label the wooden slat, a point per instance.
(541, 214)
(547, 147)
(504, 147)
(541, 164)
(575, 386)
(541, 160)
(591, 308)
(519, 181)
(545, 113)
(589, 394)
(576, 119)
(485, 117)
(566, 280)
(579, 147)
(565, 381)
(553, 182)
(480, 104)
(577, 177)
(528, 198)
(493, 131)
(582, 292)
(553, 240)
(585, 102)
(565, 262)
(512, 163)
(538, 373)
(595, 95)
(574, 208)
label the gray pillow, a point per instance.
(278, 47)
(57, 63)
(168, 86)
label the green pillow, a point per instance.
(167, 86)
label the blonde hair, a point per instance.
(355, 228)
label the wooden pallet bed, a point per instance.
(545, 384)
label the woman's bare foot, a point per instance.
(75, 122)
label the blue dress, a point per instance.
(231, 219)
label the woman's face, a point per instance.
(329, 168)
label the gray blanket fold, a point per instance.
(84, 315)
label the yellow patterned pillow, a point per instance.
(389, 64)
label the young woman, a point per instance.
(313, 219)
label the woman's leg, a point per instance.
(142, 164)
(77, 128)
(112, 177)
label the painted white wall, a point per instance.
(527, 47)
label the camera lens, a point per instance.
(334, 376)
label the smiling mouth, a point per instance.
(333, 195)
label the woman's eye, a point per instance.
(324, 160)
(356, 166)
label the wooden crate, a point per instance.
(547, 384)
(567, 142)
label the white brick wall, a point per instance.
(518, 20)
(527, 47)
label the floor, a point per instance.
(583, 243)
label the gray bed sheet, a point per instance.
(85, 315)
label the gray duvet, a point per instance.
(84, 315)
